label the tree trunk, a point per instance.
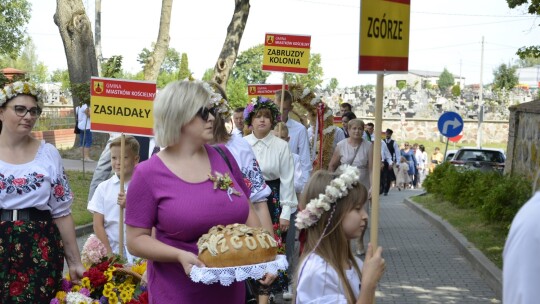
(76, 32)
(151, 69)
(228, 54)
(97, 34)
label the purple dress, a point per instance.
(181, 212)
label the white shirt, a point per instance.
(247, 162)
(104, 202)
(385, 153)
(299, 181)
(236, 132)
(299, 144)
(396, 150)
(339, 135)
(521, 262)
(319, 282)
(276, 162)
(40, 183)
(83, 121)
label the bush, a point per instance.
(496, 197)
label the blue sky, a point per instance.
(444, 33)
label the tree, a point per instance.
(14, 15)
(169, 68)
(456, 90)
(527, 62)
(229, 51)
(153, 64)
(112, 68)
(237, 93)
(446, 81)
(533, 9)
(248, 66)
(314, 78)
(97, 26)
(28, 61)
(505, 77)
(61, 76)
(184, 71)
(332, 85)
(207, 76)
(76, 32)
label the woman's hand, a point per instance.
(188, 259)
(374, 267)
(284, 224)
(268, 279)
(76, 273)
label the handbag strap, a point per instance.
(224, 156)
(355, 153)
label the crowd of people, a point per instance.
(263, 167)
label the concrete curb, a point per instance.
(84, 230)
(491, 273)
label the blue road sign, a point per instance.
(450, 124)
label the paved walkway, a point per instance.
(422, 265)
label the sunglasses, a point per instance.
(21, 111)
(204, 112)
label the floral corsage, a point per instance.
(224, 182)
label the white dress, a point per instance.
(40, 183)
(319, 282)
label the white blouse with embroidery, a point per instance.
(40, 183)
(276, 162)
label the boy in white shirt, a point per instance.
(107, 199)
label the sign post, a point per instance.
(450, 124)
(384, 48)
(124, 106)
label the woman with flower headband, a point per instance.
(244, 156)
(332, 215)
(36, 226)
(180, 193)
(275, 159)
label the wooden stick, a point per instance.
(121, 216)
(282, 99)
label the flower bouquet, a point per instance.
(107, 280)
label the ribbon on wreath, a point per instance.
(320, 120)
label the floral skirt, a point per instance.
(281, 283)
(32, 259)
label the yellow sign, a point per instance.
(122, 106)
(286, 53)
(384, 36)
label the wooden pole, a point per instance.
(121, 216)
(282, 100)
(376, 173)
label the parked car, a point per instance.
(450, 154)
(483, 159)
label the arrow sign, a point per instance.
(450, 124)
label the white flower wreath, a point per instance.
(21, 87)
(217, 101)
(338, 188)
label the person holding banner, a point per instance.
(277, 168)
(36, 226)
(107, 199)
(172, 202)
(332, 215)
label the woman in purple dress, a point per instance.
(173, 194)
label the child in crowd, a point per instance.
(107, 200)
(299, 183)
(402, 178)
(332, 215)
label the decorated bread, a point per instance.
(236, 245)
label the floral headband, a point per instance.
(338, 188)
(11, 90)
(259, 103)
(217, 101)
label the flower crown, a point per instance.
(258, 103)
(11, 90)
(217, 101)
(338, 188)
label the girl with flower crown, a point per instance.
(36, 226)
(277, 167)
(332, 215)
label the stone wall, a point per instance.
(524, 141)
(426, 129)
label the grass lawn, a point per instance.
(79, 186)
(488, 238)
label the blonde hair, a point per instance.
(284, 129)
(334, 247)
(130, 144)
(356, 122)
(175, 106)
